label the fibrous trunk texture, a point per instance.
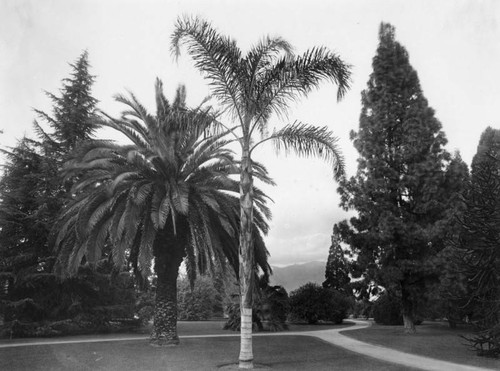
(246, 256)
(168, 257)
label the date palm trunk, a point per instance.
(246, 259)
(168, 254)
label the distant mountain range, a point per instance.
(292, 277)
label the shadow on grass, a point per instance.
(433, 339)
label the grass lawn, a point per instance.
(215, 328)
(433, 339)
(276, 352)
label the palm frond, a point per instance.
(291, 78)
(174, 180)
(261, 173)
(263, 55)
(162, 104)
(216, 56)
(159, 195)
(309, 141)
(125, 128)
(148, 235)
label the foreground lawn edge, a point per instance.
(433, 340)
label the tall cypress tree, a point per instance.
(401, 191)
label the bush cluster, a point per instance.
(270, 310)
(198, 303)
(313, 303)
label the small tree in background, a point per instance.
(270, 311)
(198, 302)
(337, 268)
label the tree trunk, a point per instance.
(409, 324)
(246, 257)
(167, 262)
(408, 312)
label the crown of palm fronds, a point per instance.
(253, 87)
(125, 194)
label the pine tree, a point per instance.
(72, 120)
(337, 268)
(36, 164)
(401, 190)
(22, 241)
(32, 192)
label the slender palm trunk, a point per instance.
(167, 262)
(246, 256)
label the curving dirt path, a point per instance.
(331, 336)
(336, 338)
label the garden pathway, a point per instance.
(335, 337)
(332, 336)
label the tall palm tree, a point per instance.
(250, 89)
(168, 195)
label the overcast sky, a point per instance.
(453, 45)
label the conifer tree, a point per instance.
(72, 119)
(32, 192)
(337, 268)
(402, 190)
(479, 241)
(21, 234)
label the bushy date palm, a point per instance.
(251, 89)
(168, 196)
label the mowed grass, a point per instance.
(433, 339)
(276, 352)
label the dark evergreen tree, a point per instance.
(32, 194)
(402, 190)
(337, 268)
(72, 120)
(446, 297)
(312, 303)
(22, 243)
(479, 244)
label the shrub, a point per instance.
(313, 303)
(386, 310)
(197, 304)
(234, 318)
(23, 310)
(270, 310)
(362, 308)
